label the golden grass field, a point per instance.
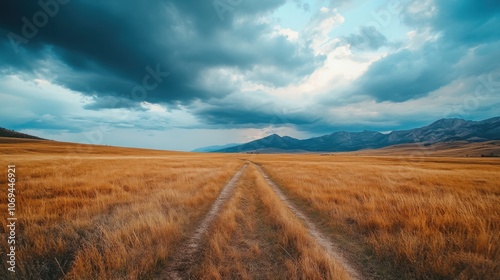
(105, 213)
(448, 149)
(96, 212)
(429, 218)
(258, 237)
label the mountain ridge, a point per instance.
(4, 132)
(443, 130)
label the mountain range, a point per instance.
(444, 130)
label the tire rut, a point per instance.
(322, 240)
(184, 257)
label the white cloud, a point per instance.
(319, 29)
(417, 38)
(290, 34)
(26, 100)
(422, 9)
(457, 99)
(155, 108)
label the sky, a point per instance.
(184, 74)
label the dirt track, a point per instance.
(323, 241)
(184, 257)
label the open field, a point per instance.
(448, 149)
(105, 213)
(96, 212)
(258, 237)
(428, 218)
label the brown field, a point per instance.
(448, 149)
(427, 218)
(96, 212)
(258, 237)
(105, 213)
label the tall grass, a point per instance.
(257, 237)
(107, 213)
(95, 212)
(431, 218)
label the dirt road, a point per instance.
(186, 256)
(321, 239)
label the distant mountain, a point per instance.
(214, 148)
(272, 141)
(444, 130)
(13, 134)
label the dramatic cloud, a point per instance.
(107, 49)
(461, 28)
(368, 38)
(408, 74)
(300, 67)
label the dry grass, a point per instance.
(257, 237)
(95, 212)
(105, 213)
(447, 149)
(431, 218)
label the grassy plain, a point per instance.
(448, 149)
(428, 218)
(257, 237)
(96, 212)
(102, 212)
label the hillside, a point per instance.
(444, 130)
(14, 134)
(442, 149)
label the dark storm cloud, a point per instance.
(409, 74)
(368, 38)
(466, 28)
(262, 115)
(103, 48)
(463, 21)
(107, 49)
